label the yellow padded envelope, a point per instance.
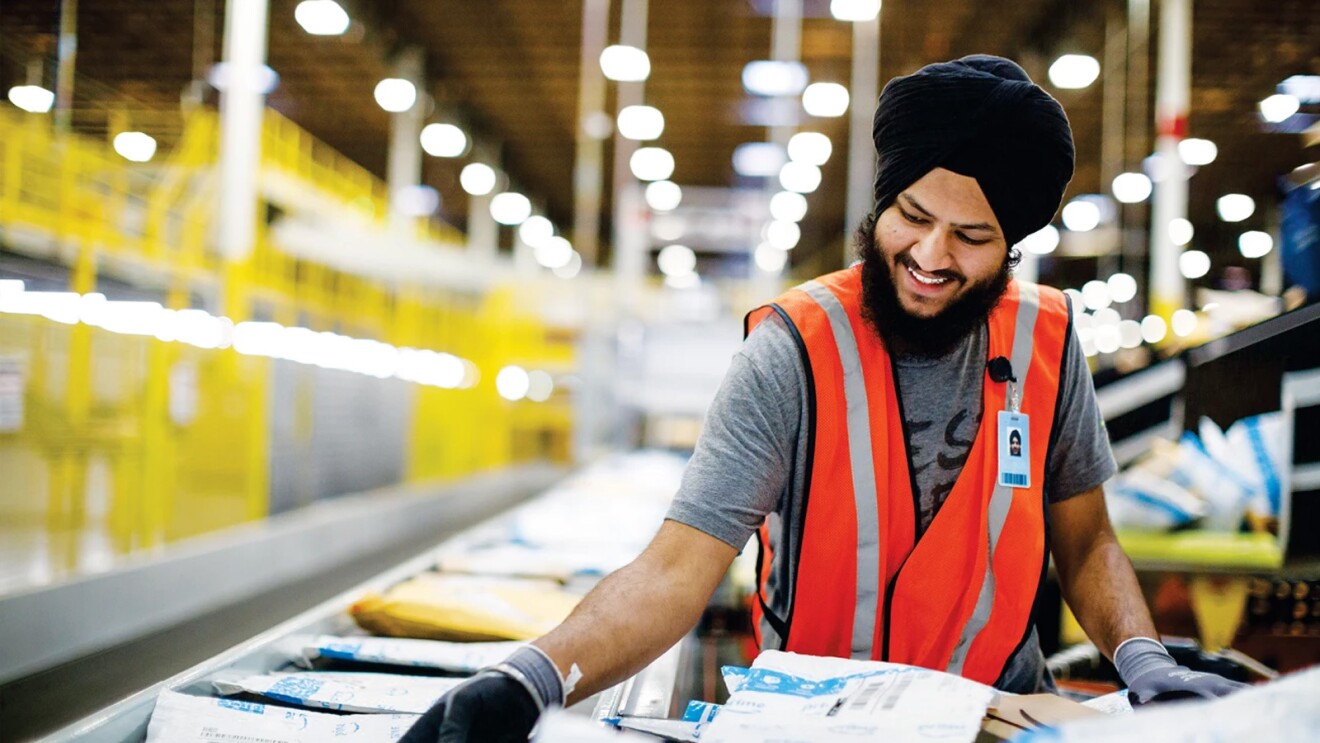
(437, 606)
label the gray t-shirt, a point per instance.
(751, 457)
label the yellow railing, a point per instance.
(176, 439)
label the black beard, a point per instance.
(906, 333)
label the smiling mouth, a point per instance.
(926, 280)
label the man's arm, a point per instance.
(639, 611)
(1095, 574)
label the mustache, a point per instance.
(905, 259)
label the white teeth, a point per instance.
(923, 279)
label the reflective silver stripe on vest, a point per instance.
(863, 469)
(1002, 499)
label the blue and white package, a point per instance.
(700, 711)
(345, 692)
(1139, 500)
(182, 718)
(459, 657)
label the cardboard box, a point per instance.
(1014, 713)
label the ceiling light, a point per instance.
(1235, 207)
(788, 206)
(443, 140)
(799, 177)
(825, 99)
(1081, 216)
(1095, 294)
(417, 201)
(623, 63)
(395, 95)
(1181, 231)
(1255, 244)
(652, 164)
(1306, 88)
(512, 383)
(1107, 339)
(553, 252)
(683, 281)
(321, 17)
(1042, 241)
(769, 258)
(1153, 329)
(854, 10)
(758, 159)
(1279, 107)
(641, 123)
(1106, 317)
(663, 196)
(263, 79)
(774, 78)
(540, 385)
(1074, 71)
(1158, 168)
(1131, 188)
(135, 146)
(783, 235)
(32, 98)
(812, 148)
(1129, 334)
(510, 208)
(1193, 264)
(1122, 287)
(478, 179)
(1197, 151)
(535, 230)
(676, 260)
(1184, 323)
(571, 269)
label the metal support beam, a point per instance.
(68, 55)
(631, 222)
(241, 105)
(404, 168)
(1172, 99)
(588, 171)
(864, 92)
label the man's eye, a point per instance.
(912, 218)
(971, 241)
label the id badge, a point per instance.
(1014, 450)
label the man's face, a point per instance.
(934, 265)
(940, 240)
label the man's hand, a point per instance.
(498, 705)
(1153, 676)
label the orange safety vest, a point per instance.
(865, 586)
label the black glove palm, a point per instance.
(489, 708)
(1171, 684)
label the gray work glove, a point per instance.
(1153, 676)
(498, 705)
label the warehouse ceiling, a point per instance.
(508, 70)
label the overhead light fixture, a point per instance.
(1095, 295)
(444, 140)
(478, 179)
(663, 196)
(1131, 188)
(641, 123)
(813, 148)
(554, 252)
(263, 80)
(1235, 207)
(1153, 328)
(769, 258)
(625, 64)
(321, 17)
(1255, 244)
(1279, 107)
(135, 146)
(758, 159)
(1041, 242)
(774, 78)
(1074, 71)
(825, 100)
(1197, 151)
(1107, 339)
(676, 260)
(32, 98)
(1185, 321)
(799, 177)
(652, 164)
(571, 269)
(535, 230)
(854, 10)
(1193, 264)
(788, 206)
(510, 208)
(395, 94)
(540, 385)
(1122, 287)
(1181, 231)
(1129, 334)
(1305, 88)
(512, 383)
(417, 201)
(1081, 215)
(783, 235)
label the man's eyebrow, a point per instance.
(974, 226)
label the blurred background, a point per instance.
(257, 256)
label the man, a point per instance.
(861, 434)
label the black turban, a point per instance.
(982, 117)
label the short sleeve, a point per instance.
(1080, 458)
